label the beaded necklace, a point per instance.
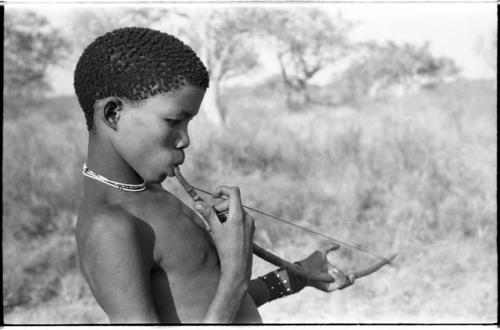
(114, 184)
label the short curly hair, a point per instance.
(134, 63)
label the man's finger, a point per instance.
(329, 248)
(342, 280)
(235, 210)
(207, 213)
(249, 222)
(335, 272)
(221, 206)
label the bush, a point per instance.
(41, 189)
(416, 175)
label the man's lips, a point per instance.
(178, 161)
(181, 160)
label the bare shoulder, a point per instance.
(110, 232)
(116, 257)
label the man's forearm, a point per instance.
(226, 301)
(274, 285)
(259, 292)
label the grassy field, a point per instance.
(414, 175)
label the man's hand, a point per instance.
(233, 240)
(234, 237)
(318, 262)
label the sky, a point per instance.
(452, 29)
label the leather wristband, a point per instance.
(277, 284)
(282, 283)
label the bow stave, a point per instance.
(278, 261)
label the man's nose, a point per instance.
(183, 139)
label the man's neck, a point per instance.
(103, 160)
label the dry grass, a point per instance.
(415, 175)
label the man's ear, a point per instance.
(111, 110)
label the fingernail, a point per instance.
(198, 207)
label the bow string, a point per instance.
(279, 262)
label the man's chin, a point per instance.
(163, 174)
(170, 171)
(158, 178)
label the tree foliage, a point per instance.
(91, 23)
(219, 36)
(306, 41)
(381, 68)
(223, 39)
(30, 46)
(226, 39)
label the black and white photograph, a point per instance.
(250, 162)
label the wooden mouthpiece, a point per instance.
(186, 186)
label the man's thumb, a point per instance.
(207, 212)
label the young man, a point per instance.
(148, 257)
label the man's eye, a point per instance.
(173, 122)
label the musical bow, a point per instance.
(279, 262)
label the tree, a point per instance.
(223, 39)
(306, 41)
(217, 35)
(30, 46)
(382, 68)
(89, 24)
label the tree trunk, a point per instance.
(304, 93)
(211, 105)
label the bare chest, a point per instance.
(188, 267)
(184, 244)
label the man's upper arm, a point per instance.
(117, 261)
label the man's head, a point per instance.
(139, 88)
(133, 64)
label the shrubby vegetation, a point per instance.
(414, 175)
(305, 41)
(29, 51)
(394, 69)
(41, 189)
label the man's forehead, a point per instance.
(184, 101)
